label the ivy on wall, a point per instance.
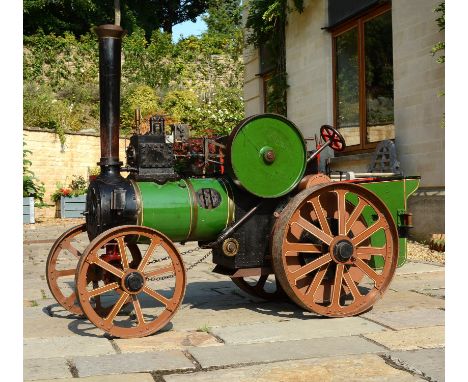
(266, 22)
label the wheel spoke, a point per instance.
(368, 232)
(293, 248)
(369, 272)
(352, 286)
(138, 311)
(317, 280)
(103, 289)
(309, 267)
(154, 242)
(116, 308)
(123, 252)
(318, 233)
(156, 295)
(261, 281)
(320, 215)
(70, 300)
(341, 200)
(65, 272)
(372, 251)
(108, 267)
(159, 271)
(335, 302)
(70, 248)
(355, 215)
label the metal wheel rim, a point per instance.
(301, 282)
(90, 256)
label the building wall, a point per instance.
(309, 64)
(53, 165)
(418, 80)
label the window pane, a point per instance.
(347, 86)
(379, 78)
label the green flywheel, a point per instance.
(266, 155)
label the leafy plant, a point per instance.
(78, 186)
(440, 46)
(31, 185)
(266, 20)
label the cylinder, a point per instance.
(110, 46)
(188, 209)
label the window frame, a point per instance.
(357, 22)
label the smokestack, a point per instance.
(110, 46)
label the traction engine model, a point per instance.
(255, 198)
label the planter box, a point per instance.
(72, 207)
(28, 210)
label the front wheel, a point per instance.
(136, 298)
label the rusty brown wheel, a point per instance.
(154, 286)
(260, 286)
(61, 267)
(321, 245)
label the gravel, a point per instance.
(421, 252)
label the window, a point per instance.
(363, 79)
(267, 71)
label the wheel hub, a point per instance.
(134, 282)
(343, 250)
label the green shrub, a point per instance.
(31, 185)
(138, 96)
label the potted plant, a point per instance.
(32, 189)
(93, 172)
(71, 200)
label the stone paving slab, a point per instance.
(414, 267)
(167, 340)
(363, 368)
(295, 329)
(430, 362)
(419, 281)
(132, 377)
(282, 351)
(132, 363)
(65, 347)
(410, 339)
(46, 326)
(404, 319)
(210, 315)
(47, 368)
(33, 293)
(437, 293)
(405, 300)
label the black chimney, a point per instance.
(110, 46)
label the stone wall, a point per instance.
(53, 164)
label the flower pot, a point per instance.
(72, 207)
(28, 210)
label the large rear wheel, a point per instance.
(322, 244)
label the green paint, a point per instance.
(172, 209)
(394, 194)
(253, 140)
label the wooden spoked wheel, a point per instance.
(260, 286)
(322, 244)
(136, 298)
(61, 266)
